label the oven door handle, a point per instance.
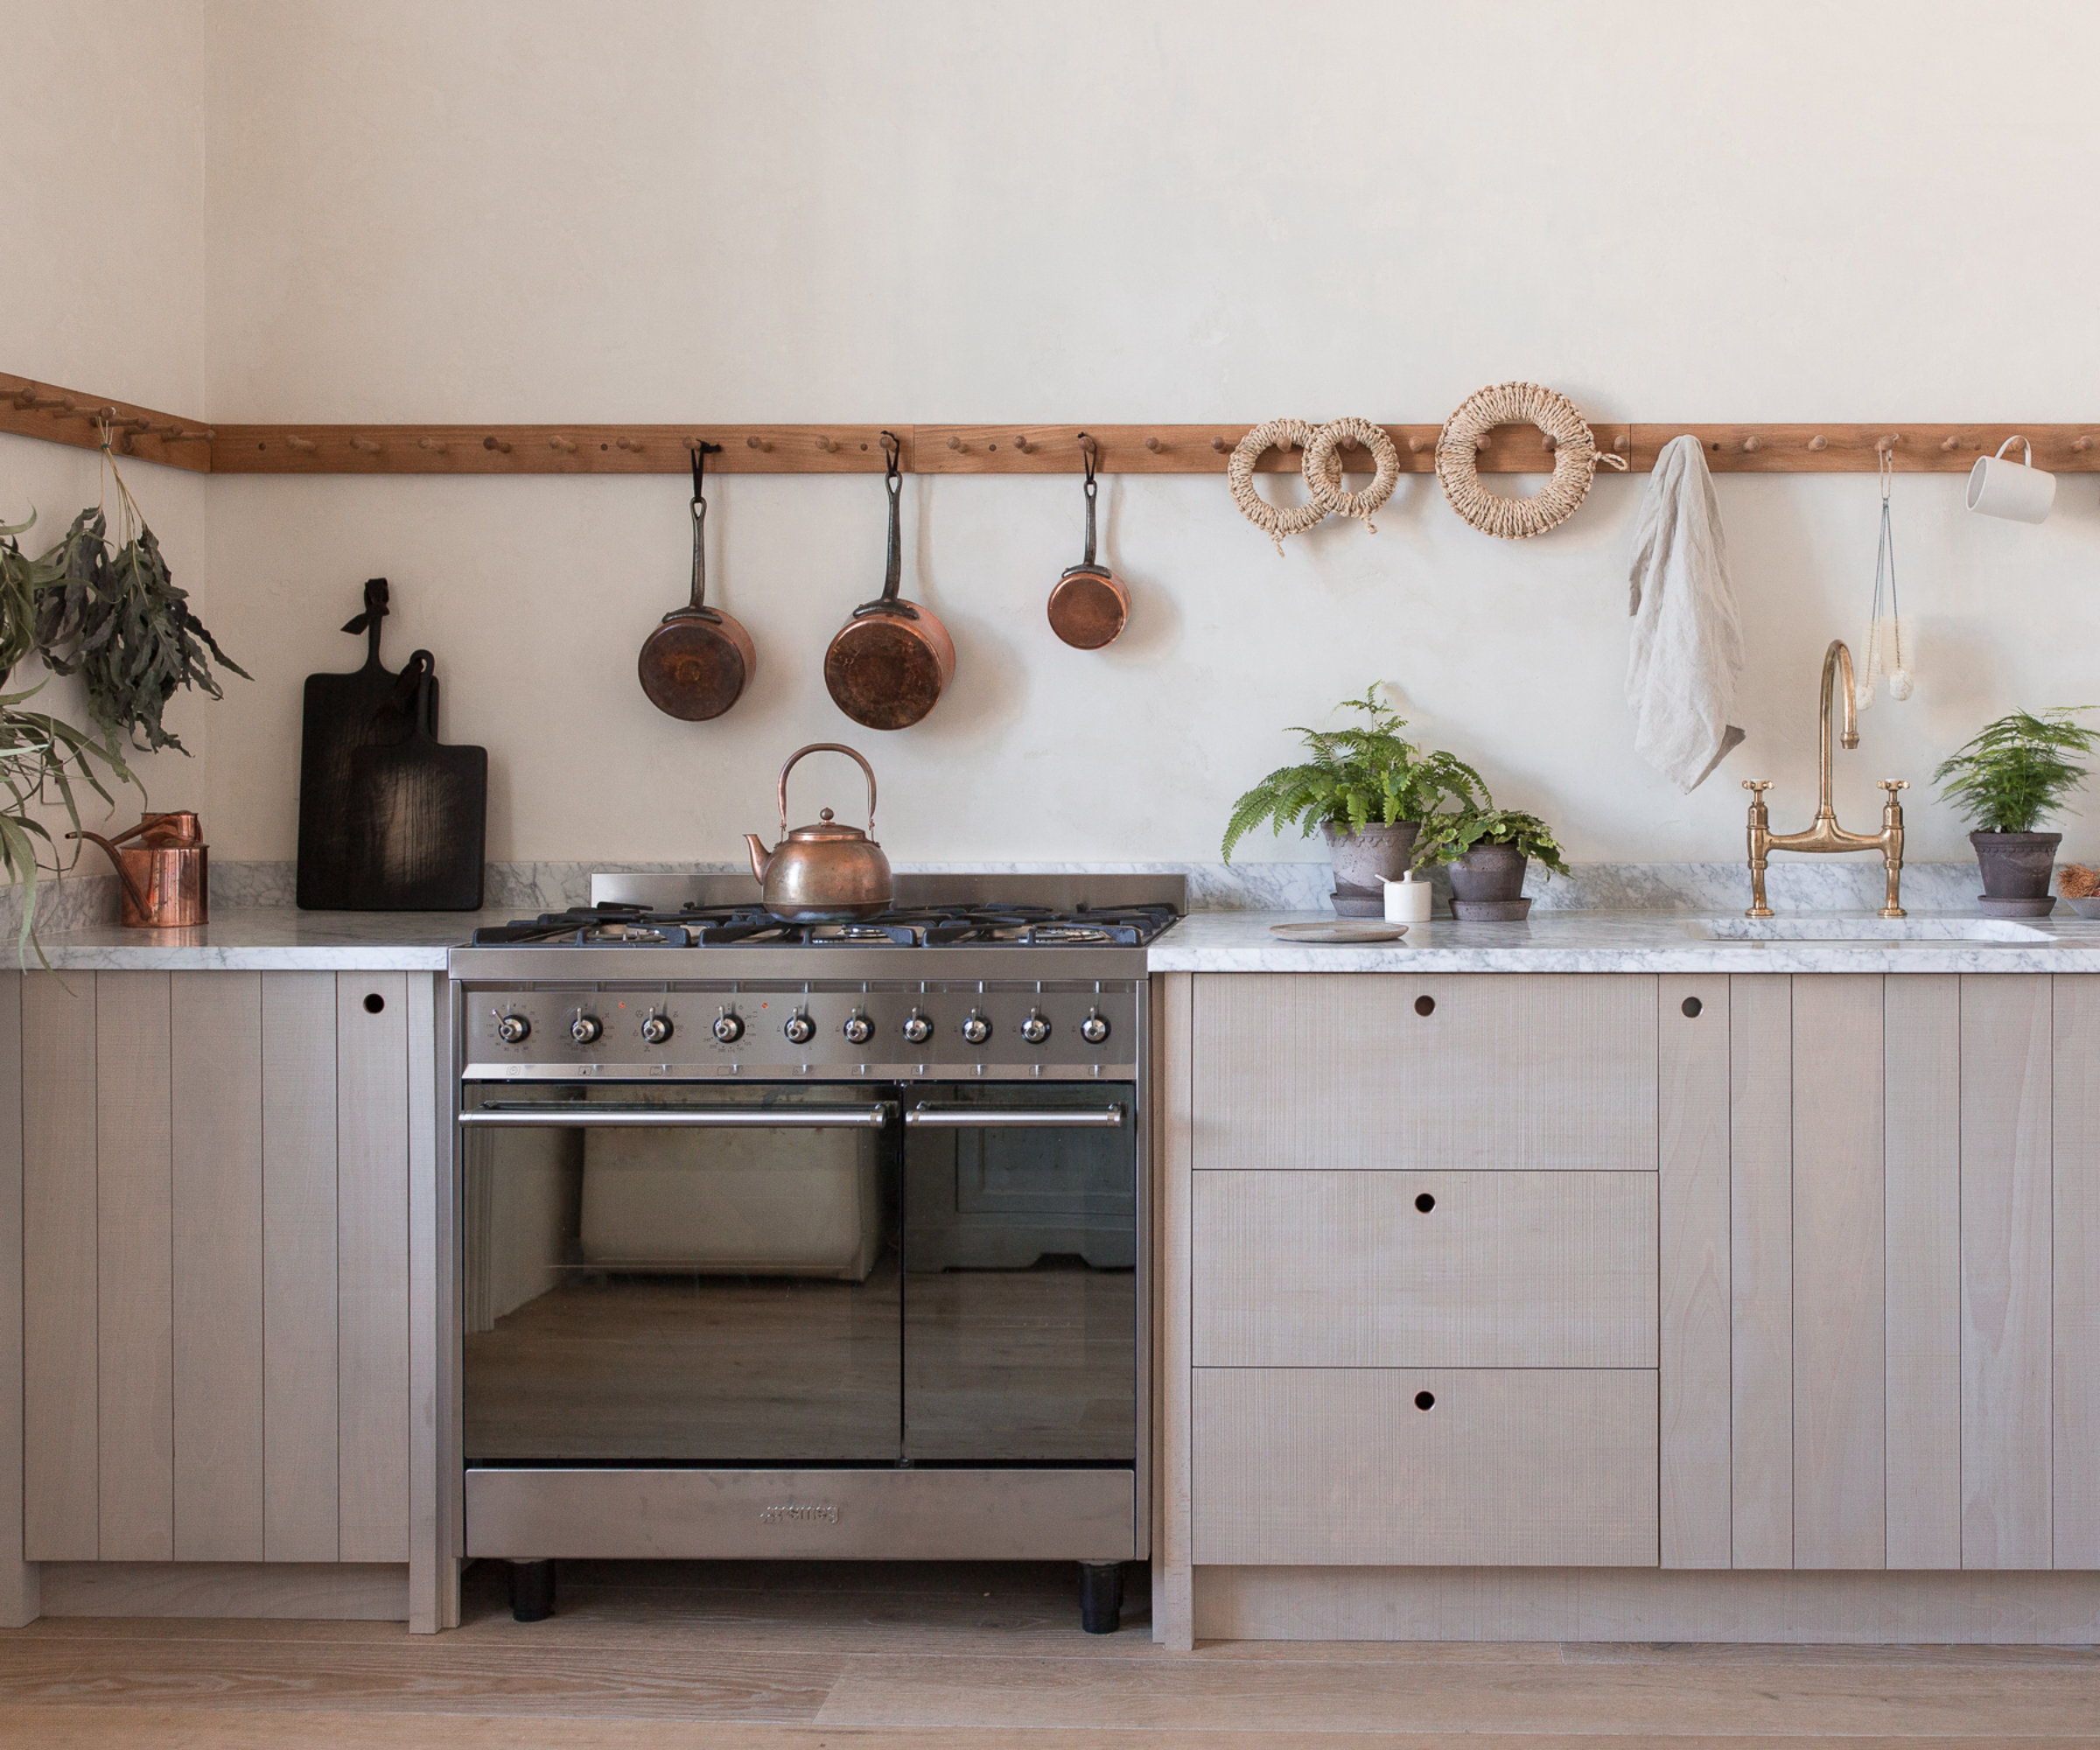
(958, 1116)
(583, 1116)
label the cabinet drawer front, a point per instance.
(1506, 1468)
(1504, 1071)
(1504, 1269)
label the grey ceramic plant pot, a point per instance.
(2016, 866)
(1366, 859)
(1489, 872)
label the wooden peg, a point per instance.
(436, 445)
(372, 448)
(633, 446)
(1152, 443)
(954, 443)
(1020, 443)
(1819, 441)
(1088, 445)
(492, 442)
(1549, 442)
(2082, 444)
(1220, 445)
(1621, 443)
(304, 446)
(1884, 446)
(827, 445)
(1950, 443)
(755, 442)
(566, 445)
(1753, 444)
(1414, 446)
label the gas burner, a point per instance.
(613, 925)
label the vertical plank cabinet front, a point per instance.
(1923, 1278)
(372, 1264)
(1691, 1026)
(1172, 1526)
(2076, 1271)
(2006, 1051)
(135, 1307)
(1761, 1267)
(300, 1510)
(60, 1439)
(217, 1037)
(1840, 1511)
(20, 1580)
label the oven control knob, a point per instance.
(1094, 1028)
(1036, 1028)
(976, 1028)
(586, 1029)
(860, 1030)
(917, 1028)
(656, 1029)
(513, 1029)
(729, 1027)
(800, 1030)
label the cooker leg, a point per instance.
(1101, 1597)
(532, 1591)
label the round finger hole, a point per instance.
(1425, 1202)
(1425, 1400)
(1691, 1006)
(1425, 1006)
(375, 1003)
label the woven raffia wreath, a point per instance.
(1322, 468)
(1575, 459)
(1277, 522)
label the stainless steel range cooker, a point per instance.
(808, 1240)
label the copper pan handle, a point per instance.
(827, 747)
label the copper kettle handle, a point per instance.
(827, 747)
(137, 898)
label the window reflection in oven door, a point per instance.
(1020, 1294)
(679, 1276)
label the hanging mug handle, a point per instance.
(2023, 442)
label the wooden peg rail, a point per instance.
(70, 416)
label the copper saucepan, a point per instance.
(1090, 603)
(890, 664)
(165, 877)
(697, 663)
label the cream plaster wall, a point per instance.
(524, 209)
(102, 238)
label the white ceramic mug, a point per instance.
(1998, 487)
(1407, 900)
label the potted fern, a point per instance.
(1488, 848)
(1367, 789)
(2008, 779)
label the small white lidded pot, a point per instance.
(1407, 900)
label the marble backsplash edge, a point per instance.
(87, 901)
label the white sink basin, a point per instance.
(1841, 928)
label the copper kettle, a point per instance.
(825, 872)
(165, 877)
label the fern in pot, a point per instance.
(1487, 849)
(1367, 790)
(2007, 779)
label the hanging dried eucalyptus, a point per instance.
(116, 619)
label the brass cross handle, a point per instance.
(1760, 784)
(1891, 785)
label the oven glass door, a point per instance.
(681, 1276)
(1020, 1293)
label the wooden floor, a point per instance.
(799, 1656)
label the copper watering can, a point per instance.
(165, 876)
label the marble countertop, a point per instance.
(279, 938)
(1631, 941)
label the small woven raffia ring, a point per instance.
(1575, 459)
(1323, 469)
(1274, 521)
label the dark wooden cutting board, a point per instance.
(417, 816)
(343, 713)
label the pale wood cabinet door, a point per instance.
(215, 1279)
(1440, 1270)
(1510, 1072)
(1424, 1466)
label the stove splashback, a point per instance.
(1059, 892)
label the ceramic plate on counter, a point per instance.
(1347, 932)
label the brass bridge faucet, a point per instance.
(1826, 834)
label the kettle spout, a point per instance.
(761, 858)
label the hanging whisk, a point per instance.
(1886, 655)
